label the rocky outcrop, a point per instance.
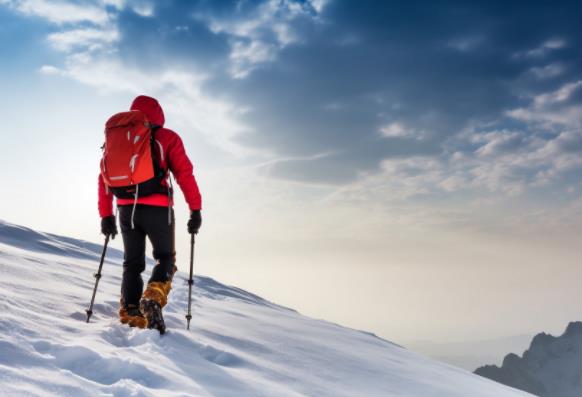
(551, 367)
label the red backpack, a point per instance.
(128, 166)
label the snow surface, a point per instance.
(239, 344)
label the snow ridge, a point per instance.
(239, 344)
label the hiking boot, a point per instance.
(153, 300)
(153, 314)
(158, 291)
(132, 316)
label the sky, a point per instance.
(408, 168)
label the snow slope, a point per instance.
(239, 345)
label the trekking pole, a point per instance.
(97, 278)
(190, 282)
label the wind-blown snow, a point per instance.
(239, 345)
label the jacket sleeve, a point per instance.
(183, 171)
(105, 199)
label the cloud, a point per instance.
(466, 43)
(341, 94)
(546, 47)
(179, 91)
(144, 9)
(257, 31)
(394, 130)
(401, 92)
(547, 71)
(489, 165)
(562, 106)
(61, 12)
(93, 42)
(49, 69)
(559, 96)
(88, 38)
(246, 55)
(496, 143)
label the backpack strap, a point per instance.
(159, 172)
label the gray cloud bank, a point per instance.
(488, 94)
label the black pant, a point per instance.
(151, 221)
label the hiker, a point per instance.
(145, 209)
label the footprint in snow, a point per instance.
(180, 342)
(82, 316)
(120, 335)
(220, 357)
(103, 369)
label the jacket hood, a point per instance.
(151, 108)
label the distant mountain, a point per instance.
(551, 367)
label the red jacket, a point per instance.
(170, 152)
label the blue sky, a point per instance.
(410, 167)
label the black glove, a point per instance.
(194, 222)
(108, 226)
